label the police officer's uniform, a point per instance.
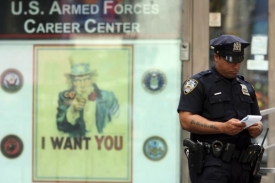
(217, 98)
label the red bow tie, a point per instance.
(92, 96)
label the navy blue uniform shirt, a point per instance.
(217, 98)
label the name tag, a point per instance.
(218, 93)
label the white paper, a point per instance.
(251, 119)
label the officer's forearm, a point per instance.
(199, 125)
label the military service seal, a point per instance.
(11, 146)
(155, 148)
(154, 81)
(11, 80)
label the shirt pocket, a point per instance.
(217, 103)
(246, 101)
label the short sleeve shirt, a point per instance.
(216, 98)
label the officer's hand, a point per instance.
(234, 126)
(255, 130)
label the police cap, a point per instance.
(230, 47)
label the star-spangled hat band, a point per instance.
(80, 66)
(230, 47)
(80, 69)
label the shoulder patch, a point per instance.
(189, 86)
(206, 72)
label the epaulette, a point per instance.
(203, 73)
(240, 77)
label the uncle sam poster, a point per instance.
(82, 113)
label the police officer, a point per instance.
(211, 105)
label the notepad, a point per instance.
(251, 119)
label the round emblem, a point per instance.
(154, 81)
(155, 148)
(11, 80)
(11, 146)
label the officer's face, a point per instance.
(228, 70)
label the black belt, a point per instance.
(246, 154)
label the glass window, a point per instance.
(89, 91)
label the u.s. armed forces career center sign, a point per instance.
(79, 16)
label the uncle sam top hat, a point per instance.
(230, 47)
(80, 65)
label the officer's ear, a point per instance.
(216, 57)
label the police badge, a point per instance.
(189, 85)
(237, 47)
(244, 90)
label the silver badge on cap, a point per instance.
(237, 47)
